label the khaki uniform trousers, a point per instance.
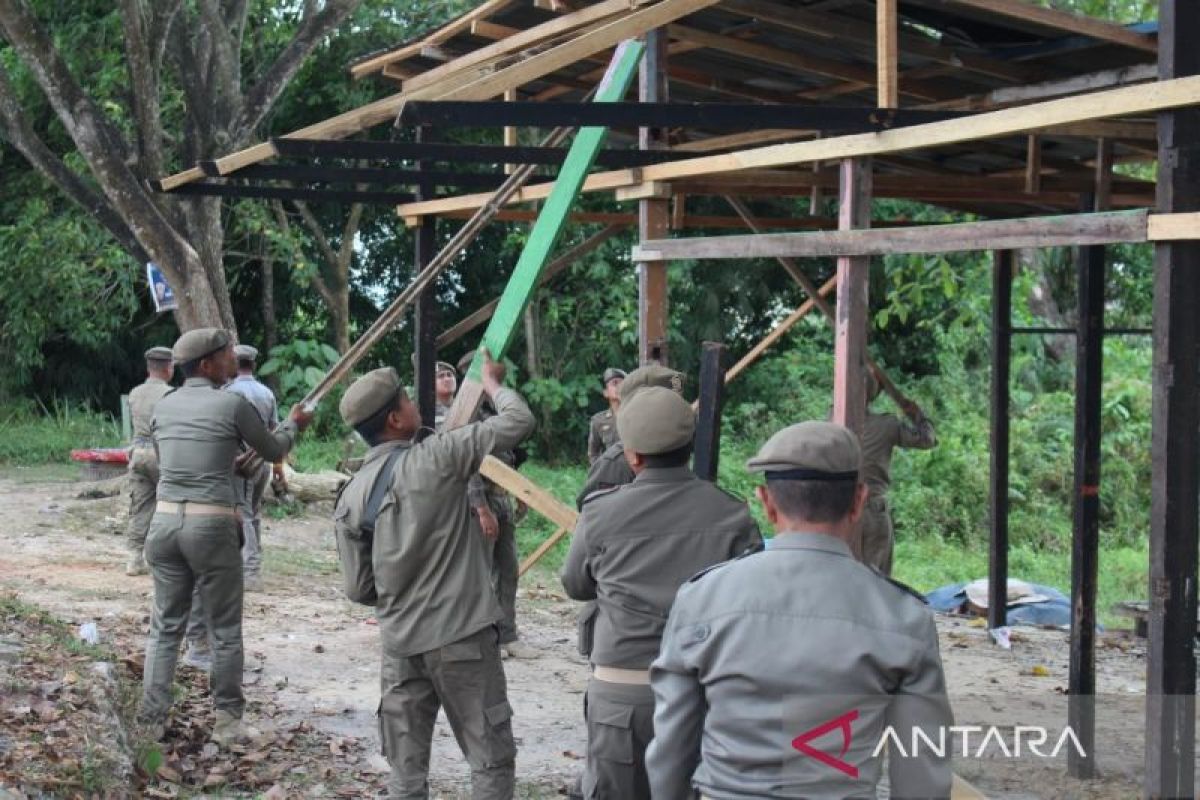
(466, 678)
(142, 494)
(620, 725)
(878, 538)
(186, 553)
(505, 566)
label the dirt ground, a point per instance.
(313, 656)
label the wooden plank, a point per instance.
(1033, 164)
(1009, 234)
(1154, 97)
(447, 31)
(654, 215)
(741, 140)
(572, 51)
(1027, 12)
(542, 549)
(557, 266)
(1174, 440)
(529, 493)
(1042, 90)
(544, 235)
(1173, 227)
(778, 331)
(522, 40)
(887, 55)
(1003, 263)
(707, 454)
(851, 315)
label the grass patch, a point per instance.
(313, 454)
(292, 563)
(36, 435)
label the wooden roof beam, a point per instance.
(1064, 21)
(1130, 100)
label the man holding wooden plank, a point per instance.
(409, 548)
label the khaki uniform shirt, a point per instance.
(609, 470)
(259, 395)
(602, 433)
(783, 642)
(480, 490)
(432, 571)
(142, 400)
(882, 433)
(634, 546)
(198, 431)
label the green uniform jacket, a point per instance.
(602, 433)
(432, 572)
(609, 470)
(635, 545)
(883, 433)
(142, 401)
(198, 431)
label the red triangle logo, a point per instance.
(838, 723)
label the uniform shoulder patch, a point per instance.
(750, 552)
(904, 587)
(599, 493)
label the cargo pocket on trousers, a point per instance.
(501, 746)
(610, 731)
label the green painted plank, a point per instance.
(550, 222)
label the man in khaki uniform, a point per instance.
(143, 463)
(498, 523)
(252, 487)
(445, 385)
(611, 469)
(882, 434)
(427, 570)
(195, 535)
(602, 432)
(633, 546)
(781, 671)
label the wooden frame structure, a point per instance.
(1044, 104)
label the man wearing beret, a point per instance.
(633, 546)
(498, 524)
(781, 671)
(882, 434)
(195, 535)
(252, 487)
(143, 463)
(428, 571)
(611, 469)
(602, 432)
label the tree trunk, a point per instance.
(1043, 304)
(270, 326)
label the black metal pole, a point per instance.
(425, 312)
(1085, 547)
(1175, 436)
(1002, 275)
(708, 416)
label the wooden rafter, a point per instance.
(1066, 22)
(1111, 103)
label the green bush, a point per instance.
(36, 434)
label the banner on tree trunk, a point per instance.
(160, 290)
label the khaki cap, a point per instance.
(369, 395)
(651, 375)
(656, 420)
(159, 354)
(199, 343)
(613, 372)
(244, 352)
(442, 366)
(811, 451)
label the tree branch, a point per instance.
(262, 96)
(16, 129)
(144, 87)
(285, 224)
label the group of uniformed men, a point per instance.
(718, 664)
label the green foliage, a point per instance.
(32, 434)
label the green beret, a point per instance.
(369, 395)
(441, 367)
(159, 354)
(244, 352)
(198, 343)
(612, 372)
(651, 375)
(464, 363)
(655, 421)
(809, 451)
